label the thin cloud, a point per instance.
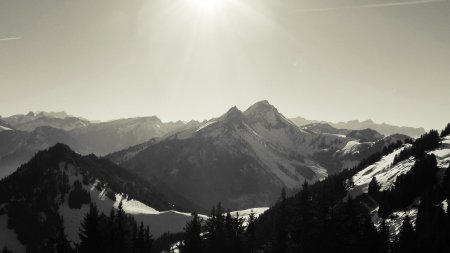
(11, 38)
(370, 6)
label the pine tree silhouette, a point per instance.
(280, 231)
(193, 240)
(407, 238)
(384, 238)
(89, 231)
(374, 188)
(250, 233)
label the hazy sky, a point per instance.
(193, 59)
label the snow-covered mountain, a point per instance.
(363, 135)
(97, 137)
(37, 131)
(243, 159)
(322, 128)
(33, 120)
(107, 137)
(118, 135)
(383, 128)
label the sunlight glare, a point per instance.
(208, 6)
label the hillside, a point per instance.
(17, 147)
(395, 201)
(52, 193)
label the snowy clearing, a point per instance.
(383, 171)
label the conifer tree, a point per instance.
(193, 240)
(89, 231)
(237, 234)
(440, 231)
(280, 231)
(407, 238)
(111, 231)
(62, 244)
(148, 240)
(384, 238)
(446, 131)
(250, 233)
(139, 234)
(229, 232)
(374, 188)
(120, 229)
(369, 242)
(6, 250)
(303, 222)
(215, 227)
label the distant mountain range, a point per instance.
(21, 136)
(17, 147)
(242, 158)
(106, 137)
(31, 121)
(383, 128)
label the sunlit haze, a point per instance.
(332, 60)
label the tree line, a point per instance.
(220, 232)
(117, 232)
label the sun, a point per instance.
(208, 6)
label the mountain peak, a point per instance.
(261, 106)
(368, 121)
(267, 114)
(232, 115)
(61, 147)
(262, 102)
(233, 110)
(60, 115)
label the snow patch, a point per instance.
(351, 147)
(445, 205)
(159, 222)
(246, 213)
(205, 125)
(383, 170)
(3, 128)
(395, 220)
(443, 153)
(8, 237)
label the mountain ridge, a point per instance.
(383, 128)
(258, 144)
